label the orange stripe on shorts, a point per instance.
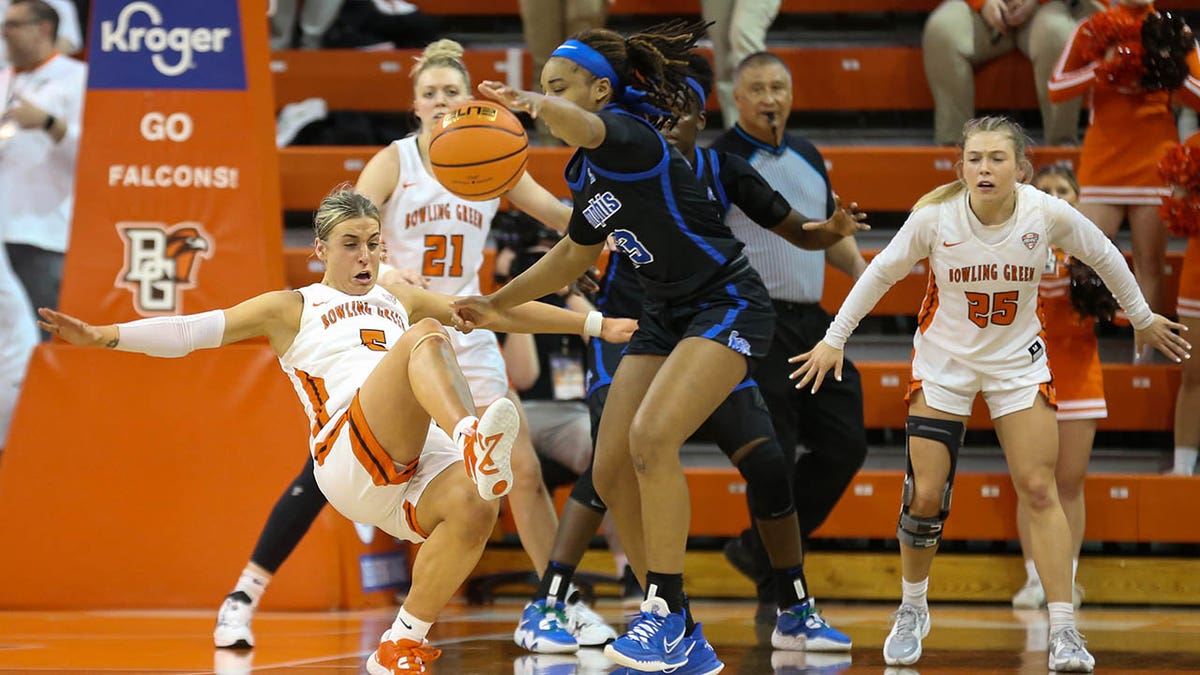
(371, 454)
(410, 515)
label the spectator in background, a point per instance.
(548, 23)
(316, 16)
(39, 142)
(69, 39)
(739, 29)
(963, 34)
(18, 336)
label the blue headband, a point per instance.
(591, 60)
(699, 92)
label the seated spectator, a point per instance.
(316, 16)
(961, 35)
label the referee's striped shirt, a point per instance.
(797, 171)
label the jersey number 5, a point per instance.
(374, 339)
(997, 308)
(439, 252)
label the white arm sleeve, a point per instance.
(892, 264)
(172, 336)
(1080, 237)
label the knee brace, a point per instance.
(767, 488)
(922, 532)
(585, 493)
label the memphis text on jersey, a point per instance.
(993, 272)
(600, 208)
(358, 308)
(462, 213)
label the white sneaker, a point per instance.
(588, 627)
(1067, 653)
(487, 449)
(233, 622)
(903, 644)
(1031, 595)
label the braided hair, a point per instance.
(653, 61)
(700, 70)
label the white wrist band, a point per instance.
(171, 336)
(593, 323)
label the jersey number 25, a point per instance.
(998, 308)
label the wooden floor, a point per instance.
(478, 640)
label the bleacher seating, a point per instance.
(691, 7)
(866, 77)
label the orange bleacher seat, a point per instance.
(691, 7)
(879, 178)
(1121, 507)
(843, 78)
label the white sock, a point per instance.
(252, 584)
(1185, 460)
(1031, 571)
(620, 560)
(463, 425)
(916, 593)
(408, 627)
(1074, 568)
(1062, 615)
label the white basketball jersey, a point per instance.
(426, 227)
(341, 339)
(981, 307)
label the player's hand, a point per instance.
(588, 282)
(404, 276)
(845, 222)
(1162, 336)
(516, 99)
(815, 364)
(618, 331)
(995, 15)
(76, 331)
(469, 313)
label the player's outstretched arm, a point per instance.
(530, 317)
(275, 315)
(568, 122)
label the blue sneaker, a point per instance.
(654, 641)
(801, 628)
(543, 629)
(701, 659)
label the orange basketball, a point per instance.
(479, 150)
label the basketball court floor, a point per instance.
(478, 641)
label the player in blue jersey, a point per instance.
(706, 317)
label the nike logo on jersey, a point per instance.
(318, 304)
(949, 245)
(407, 185)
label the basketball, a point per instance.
(479, 150)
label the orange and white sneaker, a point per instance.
(395, 657)
(487, 448)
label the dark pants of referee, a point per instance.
(829, 424)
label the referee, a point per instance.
(829, 423)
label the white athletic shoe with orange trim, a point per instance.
(487, 448)
(401, 656)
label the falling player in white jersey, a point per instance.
(436, 240)
(389, 409)
(986, 237)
